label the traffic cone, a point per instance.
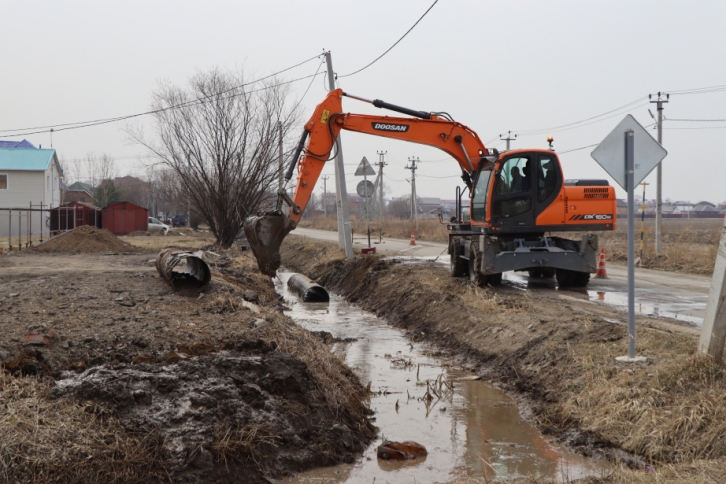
(413, 238)
(601, 272)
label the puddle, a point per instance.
(478, 433)
(648, 301)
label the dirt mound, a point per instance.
(85, 239)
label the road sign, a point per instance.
(610, 153)
(364, 168)
(366, 189)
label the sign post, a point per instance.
(629, 153)
(365, 169)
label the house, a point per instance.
(28, 176)
(77, 192)
(705, 210)
(429, 205)
(16, 144)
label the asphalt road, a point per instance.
(657, 293)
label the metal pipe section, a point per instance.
(307, 289)
(183, 269)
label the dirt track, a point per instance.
(556, 353)
(151, 385)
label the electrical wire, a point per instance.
(394, 45)
(698, 90)
(85, 124)
(697, 120)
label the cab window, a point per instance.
(514, 176)
(547, 178)
(479, 198)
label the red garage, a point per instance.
(124, 218)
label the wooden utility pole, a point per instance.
(713, 332)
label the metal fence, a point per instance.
(25, 227)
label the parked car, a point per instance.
(179, 221)
(156, 227)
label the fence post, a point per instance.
(20, 230)
(30, 225)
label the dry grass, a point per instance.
(157, 242)
(398, 228)
(64, 441)
(689, 245)
(670, 411)
(254, 441)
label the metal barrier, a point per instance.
(18, 223)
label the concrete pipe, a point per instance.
(307, 289)
(183, 269)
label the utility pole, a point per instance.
(414, 204)
(325, 195)
(345, 237)
(659, 171)
(643, 206)
(380, 164)
(508, 138)
(279, 156)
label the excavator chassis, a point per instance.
(487, 257)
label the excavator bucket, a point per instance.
(265, 234)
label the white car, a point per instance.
(156, 227)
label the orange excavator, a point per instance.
(518, 198)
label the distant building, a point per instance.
(16, 144)
(28, 175)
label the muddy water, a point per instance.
(473, 431)
(648, 301)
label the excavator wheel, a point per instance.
(475, 275)
(457, 265)
(568, 278)
(541, 273)
(495, 279)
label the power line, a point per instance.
(85, 124)
(697, 120)
(395, 44)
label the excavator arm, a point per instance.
(318, 145)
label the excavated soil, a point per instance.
(85, 239)
(556, 353)
(153, 386)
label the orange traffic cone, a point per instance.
(413, 238)
(601, 272)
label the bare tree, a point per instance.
(91, 170)
(221, 138)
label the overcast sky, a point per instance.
(493, 65)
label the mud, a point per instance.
(85, 239)
(545, 350)
(218, 385)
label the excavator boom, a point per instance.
(317, 145)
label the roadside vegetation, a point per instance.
(689, 245)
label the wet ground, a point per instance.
(686, 304)
(473, 431)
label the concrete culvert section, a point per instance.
(307, 289)
(183, 269)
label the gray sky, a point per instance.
(494, 66)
